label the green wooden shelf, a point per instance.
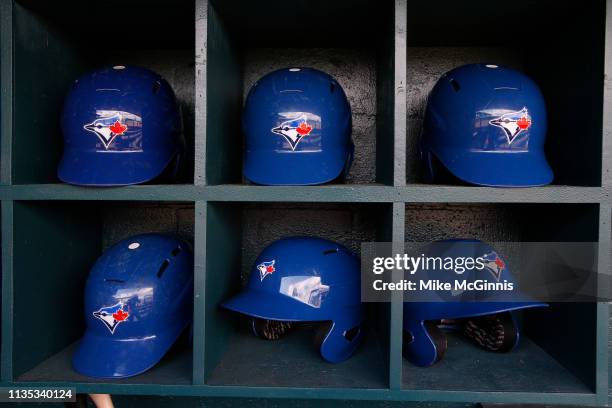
(175, 369)
(386, 54)
(294, 362)
(417, 193)
(489, 372)
(332, 393)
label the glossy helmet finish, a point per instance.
(307, 280)
(297, 126)
(421, 346)
(138, 300)
(121, 126)
(486, 124)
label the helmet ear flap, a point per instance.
(270, 329)
(424, 344)
(335, 343)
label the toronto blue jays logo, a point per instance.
(265, 269)
(107, 128)
(111, 316)
(494, 264)
(513, 123)
(293, 130)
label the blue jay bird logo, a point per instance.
(513, 123)
(107, 128)
(111, 316)
(265, 269)
(293, 130)
(494, 264)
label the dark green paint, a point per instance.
(385, 95)
(6, 359)
(37, 100)
(222, 278)
(528, 368)
(41, 219)
(54, 246)
(396, 306)
(415, 193)
(6, 90)
(174, 368)
(199, 284)
(223, 103)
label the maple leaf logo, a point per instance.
(513, 123)
(523, 123)
(304, 129)
(293, 130)
(112, 316)
(118, 128)
(120, 315)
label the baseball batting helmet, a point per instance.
(486, 125)
(121, 126)
(305, 280)
(138, 300)
(297, 127)
(424, 344)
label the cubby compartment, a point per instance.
(54, 44)
(559, 44)
(558, 347)
(55, 244)
(236, 233)
(351, 40)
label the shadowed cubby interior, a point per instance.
(51, 266)
(352, 41)
(56, 43)
(567, 64)
(557, 352)
(236, 234)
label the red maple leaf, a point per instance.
(270, 269)
(500, 264)
(118, 128)
(523, 123)
(120, 315)
(303, 129)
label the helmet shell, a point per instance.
(121, 126)
(487, 125)
(138, 300)
(307, 279)
(297, 126)
(422, 349)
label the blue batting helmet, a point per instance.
(486, 125)
(138, 300)
(121, 126)
(424, 344)
(307, 280)
(297, 127)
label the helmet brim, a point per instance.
(111, 168)
(496, 169)
(104, 357)
(299, 168)
(279, 307)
